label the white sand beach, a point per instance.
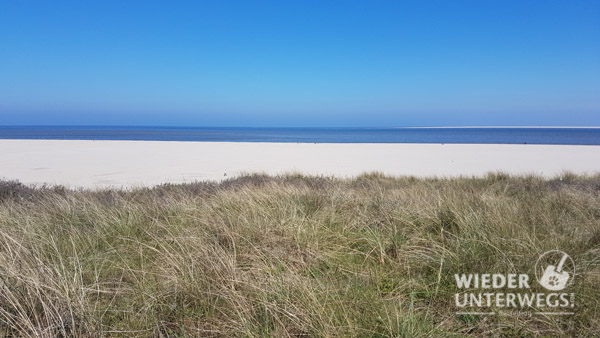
(93, 164)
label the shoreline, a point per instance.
(114, 163)
(321, 143)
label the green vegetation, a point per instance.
(261, 256)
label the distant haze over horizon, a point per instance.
(290, 127)
(295, 127)
(301, 64)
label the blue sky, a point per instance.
(300, 63)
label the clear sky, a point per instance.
(300, 63)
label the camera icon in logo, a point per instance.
(554, 270)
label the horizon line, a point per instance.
(303, 127)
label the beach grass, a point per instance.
(263, 256)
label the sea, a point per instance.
(498, 135)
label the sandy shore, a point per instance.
(135, 163)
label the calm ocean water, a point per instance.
(582, 136)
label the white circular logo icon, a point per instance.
(554, 270)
